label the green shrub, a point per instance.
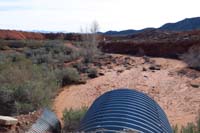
(190, 128)
(2, 47)
(6, 101)
(68, 76)
(26, 87)
(72, 118)
(89, 53)
(52, 52)
(92, 72)
(198, 125)
(175, 129)
(81, 67)
(192, 57)
(31, 77)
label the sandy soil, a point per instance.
(173, 92)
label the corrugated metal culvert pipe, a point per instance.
(125, 110)
(47, 123)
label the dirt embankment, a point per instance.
(153, 43)
(22, 35)
(157, 77)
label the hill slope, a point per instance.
(183, 25)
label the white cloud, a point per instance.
(69, 15)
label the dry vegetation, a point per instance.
(72, 118)
(32, 73)
(192, 57)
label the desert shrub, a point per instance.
(175, 129)
(189, 128)
(192, 57)
(6, 101)
(68, 76)
(72, 118)
(80, 67)
(31, 77)
(92, 72)
(3, 47)
(25, 87)
(22, 43)
(198, 125)
(3, 58)
(52, 53)
(90, 53)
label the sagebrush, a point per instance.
(72, 118)
(25, 87)
(192, 57)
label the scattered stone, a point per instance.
(155, 67)
(127, 58)
(146, 59)
(128, 68)
(110, 67)
(144, 69)
(154, 91)
(101, 74)
(195, 83)
(6, 120)
(120, 71)
(82, 81)
(191, 73)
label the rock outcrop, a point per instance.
(153, 43)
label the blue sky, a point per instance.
(70, 15)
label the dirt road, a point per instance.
(173, 92)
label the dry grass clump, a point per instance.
(192, 57)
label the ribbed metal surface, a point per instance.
(125, 109)
(48, 122)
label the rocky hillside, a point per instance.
(153, 43)
(22, 35)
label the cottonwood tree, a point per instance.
(94, 29)
(90, 41)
